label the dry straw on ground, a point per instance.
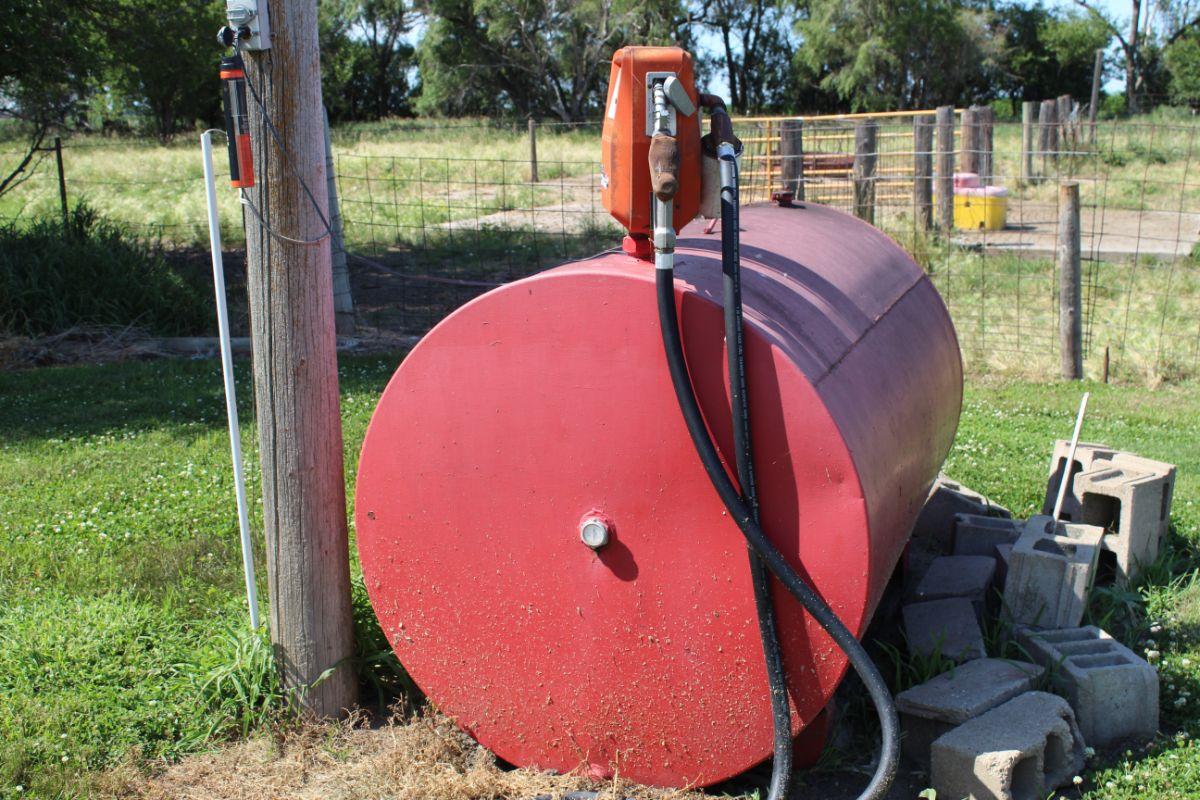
(422, 758)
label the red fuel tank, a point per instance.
(547, 401)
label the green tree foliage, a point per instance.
(754, 52)
(163, 58)
(1183, 63)
(895, 54)
(1047, 52)
(540, 57)
(366, 58)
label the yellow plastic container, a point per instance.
(980, 212)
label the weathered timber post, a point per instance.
(1048, 132)
(343, 299)
(1028, 112)
(866, 156)
(295, 370)
(969, 158)
(791, 156)
(1063, 107)
(945, 168)
(533, 172)
(923, 171)
(1094, 106)
(1070, 283)
(986, 119)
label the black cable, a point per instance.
(744, 517)
(760, 577)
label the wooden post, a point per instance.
(533, 176)
(1063, 114)
(343, 300)
(866, 155)
(791, 155)
(945, 168)
(295, 370)
(923, 171)
(1028, 111)
(1048, 132)
(62, 185)
(1070, 283)
(986, 121)
(1093, 107)
(970, 140)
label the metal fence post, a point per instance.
(62, 184)
(533, 172)
(866, 155)
(1028, 112)
(945, 168)
(791, 156)
(923, 171)
(1070, 283)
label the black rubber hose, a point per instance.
(889, 723)
(760, 576)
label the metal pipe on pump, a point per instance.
(550, 406)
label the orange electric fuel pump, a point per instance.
(630, 124)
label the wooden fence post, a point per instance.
(1028, 112)
(969, 142)
(791, 156)
(1070, 283)
(1048, 132)
(986, 119)
(295, 372)
(866, 156)
(923, 171)
(945, 168)
(533, 172)
(1063, 113)
(343, 300)
(1093, 107)
(62, 184)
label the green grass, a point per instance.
(122, 634)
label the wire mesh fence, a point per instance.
(429, 231)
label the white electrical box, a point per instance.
(251, 14)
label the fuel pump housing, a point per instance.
(628, 129)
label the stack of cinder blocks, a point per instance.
(988, 728)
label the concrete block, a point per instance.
(1112, 690)
(950, 699)
(1003, 551)
(1086, 455)
(976, 535)
(969, 577)
(946, 627)
(1050, 573)
(1021, 750)
(946, 499)
(1129, 504)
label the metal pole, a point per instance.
(1067, 475)
(231, 412)
(62, 183)
(791, 156)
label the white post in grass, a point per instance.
(231, 412)
(1067, 476)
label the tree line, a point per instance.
(150, 65)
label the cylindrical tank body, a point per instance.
(547, 401)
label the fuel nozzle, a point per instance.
(237, 122)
